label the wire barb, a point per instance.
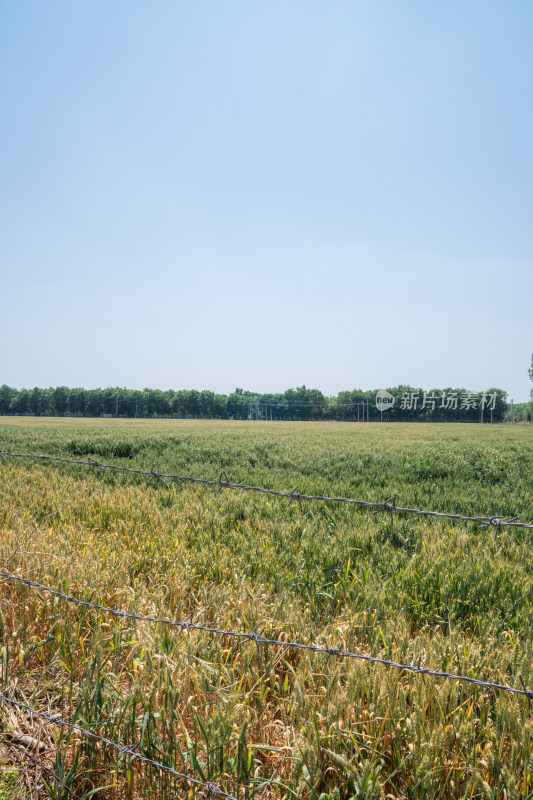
(223, 481)
(331, 651)
(421, 670)
(496, 522)
(156, 475)
(295, 495)
(388, 506)
(253, 637)
(185, 625)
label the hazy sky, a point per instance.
(266, 194)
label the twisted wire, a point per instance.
(252, 636)
(497, 521)
(123, 749)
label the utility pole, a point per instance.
(116, 408)
(512, 410)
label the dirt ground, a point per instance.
(22, 768)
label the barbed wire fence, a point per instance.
(252, 636)
(389, 506)
(332, 652)
(258, 639)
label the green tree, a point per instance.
(178, 405)
(39, 402)
(501, 405)
(219, 407)
(94, 402)
(351, 405)
(193, 402)
(61, 398)
(6, 397)
(22, 402)
(76, 401)
(207, 403)
(237, 404)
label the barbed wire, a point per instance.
(187, 625)
(122, 749)
(389, 506)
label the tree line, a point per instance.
(410, 404)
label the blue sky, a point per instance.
(264, 195)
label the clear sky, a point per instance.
(266, 194)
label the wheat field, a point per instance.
(262, 721)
